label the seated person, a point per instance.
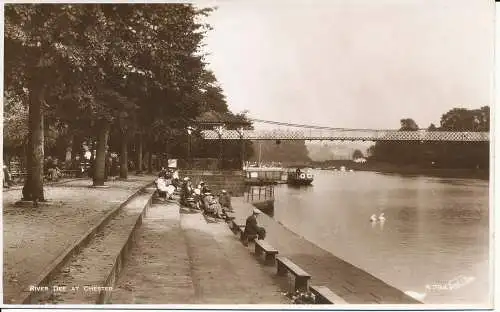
(225, 201)
(161, 187)
(203, 187)
(186, 190)
(53, 171)
(170, 191)
(175, 178)
(168, 179)
(252, 228)
(205, 198)
(212, 206)
(162, 172)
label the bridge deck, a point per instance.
(347, 135)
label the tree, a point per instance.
(461, 119)
(15, 125)
(461, 154)
(101, 70)
(408, 124)
(286, 152)
(441, 154)
(357, 154)
(46, 47)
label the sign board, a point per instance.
(172, 163)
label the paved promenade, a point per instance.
(349, 282)
(34, 237)
(181, 257)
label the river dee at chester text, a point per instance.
(434, 242)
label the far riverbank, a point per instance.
(412, 170)
(433, 172)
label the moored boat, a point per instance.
(300, 176)
(263, 175)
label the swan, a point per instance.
(373, 218)
(381, 218)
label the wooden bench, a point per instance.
(325, 296)
(270, 251)
(70, 173)
(18, 175)
(301, 277)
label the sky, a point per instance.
(353, 64)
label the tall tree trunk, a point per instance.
(150, 162)
(139, 153)
(69, 153)
(123, 156)
(92, 149)
(100, 159)
(24, 165)
(33, 185)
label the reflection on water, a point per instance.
(435, 229)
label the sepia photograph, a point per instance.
(303, 153)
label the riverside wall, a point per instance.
(232, 181)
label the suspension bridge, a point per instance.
(288, 131)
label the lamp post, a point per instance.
(189, 131)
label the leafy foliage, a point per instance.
(287, 152)
(302, 297)
(137, 67)
(15, 124)
(357, 154)
(440, 154)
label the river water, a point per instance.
(436, 229)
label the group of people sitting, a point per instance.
(167, 183)
(201, 197)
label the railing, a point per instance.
(259, 193)
(18, 177)
(348, 135)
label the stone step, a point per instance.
(89, 274)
